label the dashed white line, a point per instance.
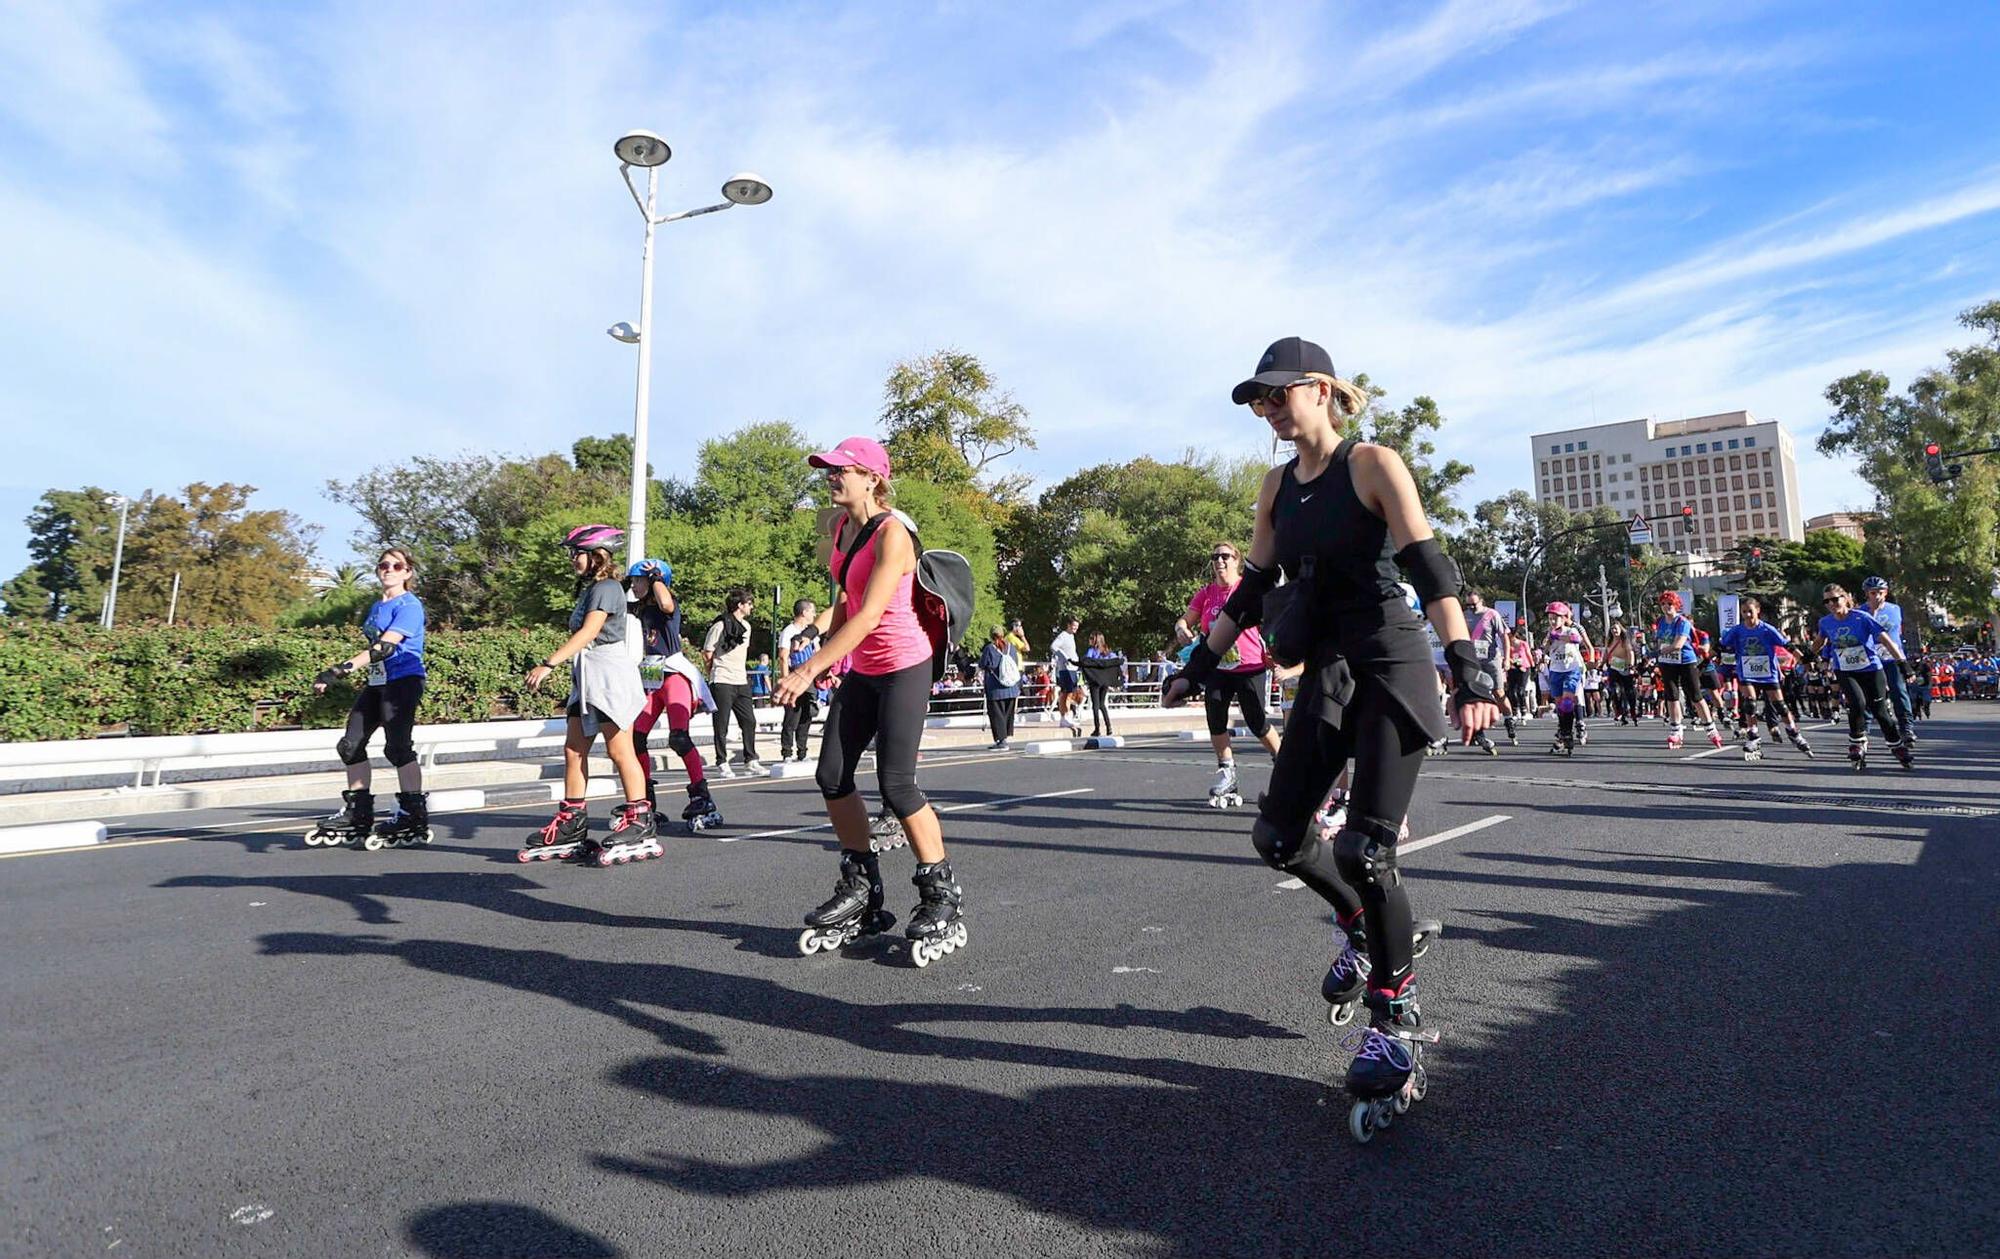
(1414, 845)
(949, 808)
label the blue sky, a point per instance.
(279, 243)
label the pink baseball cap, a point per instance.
(855, 452)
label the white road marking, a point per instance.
(949, 808)
(1134, 970)
(1413, 845)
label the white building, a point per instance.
(1738, 473)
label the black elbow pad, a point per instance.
(378, 651)
(1432, 572)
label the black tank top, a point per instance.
(1355, 583)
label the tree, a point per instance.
(1938, 543)
(946, 420)
(236, 566)
(71, 537)
(759, 472)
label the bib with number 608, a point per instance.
(1854, 659)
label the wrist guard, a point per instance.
(1432, 573)
(1200, 666)
(1246, 603)
(1471, 683)
(327, 677)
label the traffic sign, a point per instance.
(1641, 532)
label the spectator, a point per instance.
(1000, 673)
(803, 614)
(1103, 669)
(1019, 641)
(760, 677)
(725, 654)
(796, 727)
(1063, 657)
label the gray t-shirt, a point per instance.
(608, 597)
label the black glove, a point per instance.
(1471, 683)
(1199, 669)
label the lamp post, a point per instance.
(109, 616)
(649, 152)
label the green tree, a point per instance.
(946, 420)
(71, 537)
(236, 565)
(759, 472)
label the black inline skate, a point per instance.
(352, 823)
(700, 814)
(936, 925)
(855, 909)
(634, 837)
(885, 831)
(1904, 756)
(1798, 741)
(563, 839)
(1387, 1074)
(1753, 749)
(1485, 744)
(1513, 732)
(1857, 754)
(1347, 978)
(411, 825)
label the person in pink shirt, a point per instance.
(1242, 678)
(884, 697)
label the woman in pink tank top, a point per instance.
(884, 697)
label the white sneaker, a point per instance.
(720, 769)
(753, 769)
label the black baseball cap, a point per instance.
(1286, 363)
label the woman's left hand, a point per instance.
(538, 675)
(1475, 717)
(793, 685)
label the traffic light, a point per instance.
(1687, 518)
(1934, 464)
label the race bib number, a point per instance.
(378, 673)
(1853, 659)
(1483, 649)
(652, 672)
(1758, 669)
(1567, 658)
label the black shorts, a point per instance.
(1247, 691)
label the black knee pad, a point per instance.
(680, 742)
(400, 753)
(1365, 852)
(351, 751)
(1280, 847)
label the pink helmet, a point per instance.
(593, 538)
(1558, 608)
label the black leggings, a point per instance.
(1624, 695)
(1387, 748)
(1517, 691)
(1247, 690)
(888, 708)
(1869, 693)
(1099, 710)
(1775, 708)
(1686, 680)
(390, 708)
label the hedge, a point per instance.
(75, 681)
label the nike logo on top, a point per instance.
(1305, 498)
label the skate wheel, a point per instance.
(809, 942)
(524, 856)
(1361, 1122)
(1402, 1103)
(373, 843)
(1421, 947)
(312, 839)
(1340, 1015)
(1419, 1083)
(920, 953)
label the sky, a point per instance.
(277, 244)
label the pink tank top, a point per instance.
(898, 641)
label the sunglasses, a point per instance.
(388, 566)
(1221, 557)
(1829, 602)
(1275, 395)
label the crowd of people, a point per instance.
(1343, 609)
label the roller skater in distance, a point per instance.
(1680, 671)
(1489, 642)
(1347, 978)
(634, 837)
(855, 909)
(1876, 602)
(676, 690)
(1751, 648)
(563, 839)
(387, 701)
(887, 646)
(349, 824)
(1858, 645)
(1341, 518)
(1223, 793)
(410, 827)
(1387, 1075)
(1564, 646)
(936, 925)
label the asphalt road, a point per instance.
(1688, 1006)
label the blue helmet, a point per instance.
(1875, 583)
(658, 569)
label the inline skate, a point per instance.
(1513, 732)
(936, 925)
(1485, 744)
(1674, 737)
(855, 909)
(1347, 978)
(411, 825)
(634, 837)
(563, 839)
(1904, 756)
(1798, 741)
(1752, 747)
(885, 831)
(1223, 793)
(353, 822)
(1387, 1075)
(700, 814)
(1714, 736)
(1857, 754)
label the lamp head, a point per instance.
(622, 331)
(745, 188)
(642, 148)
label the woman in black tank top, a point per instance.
(1342, 521)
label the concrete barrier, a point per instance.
(52, 835)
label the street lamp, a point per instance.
(109, 616)
(649, 152)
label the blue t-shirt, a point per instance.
(1851, 641)
(1755, 649)
(1666, 630)
(405, 615)
(1891, 618)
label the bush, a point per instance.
(72, 681)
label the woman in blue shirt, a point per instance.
(1751, 649)
(1856, 643)
(1000, 670)
(388, 702)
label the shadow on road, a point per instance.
(501, 1230)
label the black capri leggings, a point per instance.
(390, 708)
(1682, 680)
(888, 708)
(1247, 690)
(1387, 748)
(1869, 693)
(1624, 695)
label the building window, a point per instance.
(1732, 443)
(1583, 445)
(1757, 520)
(1597, 479)
(1572, 502)
(1736, 483)
(1701, 448)
(1625, 459)
(1743, 524)
(1706, 508)
(1767, 478)
(1555, 448)
(1756, 500)
(1735, 462)
(1749, 442)
(1568, 447)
